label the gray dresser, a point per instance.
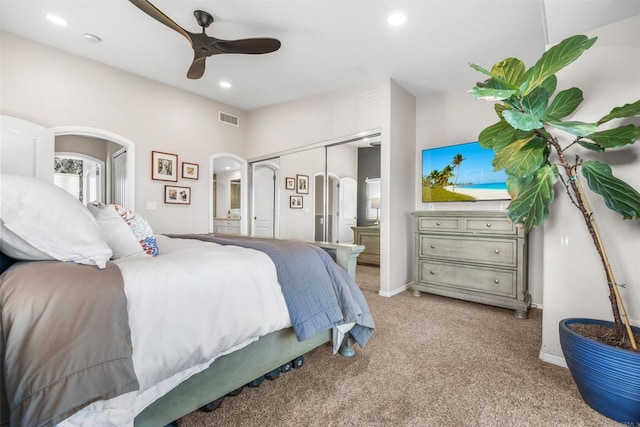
(369, 237)
(472, 255)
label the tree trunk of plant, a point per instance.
(574, 189)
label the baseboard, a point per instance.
(555, 360)
(394, 291)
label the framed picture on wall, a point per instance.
(302, 186)
(190, 170)
(164, 166)
(177, 195)
(289, 183)
(295, 202)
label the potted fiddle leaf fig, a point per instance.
(540, 152)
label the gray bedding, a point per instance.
(47, 374)
(319, 294)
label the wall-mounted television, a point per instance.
(461, 173)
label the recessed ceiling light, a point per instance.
(57, 20)
(92, 38)
(225, 84)
(397, 19)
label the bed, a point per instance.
(103, 322)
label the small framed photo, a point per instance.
(164, 166)
(177, 195)
(190, 170)
(295, 202)
(302, 186)
(290, 183)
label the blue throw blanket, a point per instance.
(319, 294)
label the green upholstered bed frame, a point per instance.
(228, 373)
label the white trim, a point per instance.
(335, 141)
(395, 291)
(550, 358)
(112, 137)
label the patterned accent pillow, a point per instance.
(140, 228)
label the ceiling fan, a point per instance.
(204, 45)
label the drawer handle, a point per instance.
(496, 281)
(497, 251)
(432, 246)
(488, 225)
(433, 273)
(438, 223)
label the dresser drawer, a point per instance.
(490, 226)
(230, 223)
(474, 279)
(439, 224)
(502, 252)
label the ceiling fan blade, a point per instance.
(248, 46)
(157, 14)
(197, 67)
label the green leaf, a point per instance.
(480, 69)
(531, 206)
(627, 110)
(590, 146)
(490, 94)
(516, 185)
(536, 102)
(555, 59)
(521, 158)
(550, 84)
(617, 137)
(490, 136)
(521, 120)
(618, 195)
(499, 135)
(499, 108)
(493, 89)
(564, 103)
(574, 128)
(511, 70)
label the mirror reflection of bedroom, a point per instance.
(226, 198)
(91, 169)
(339, 205)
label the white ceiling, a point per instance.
(326, 45)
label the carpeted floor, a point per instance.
(432, 361)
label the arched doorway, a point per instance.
(264, 198)
(228, 199)
(125, 182)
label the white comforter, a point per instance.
(191, 304)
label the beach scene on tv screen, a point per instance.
(461, 173)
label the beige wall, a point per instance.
(334, 115)
(574, 281)
(53, 88)
(564, 271)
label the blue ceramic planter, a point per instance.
(608, 378)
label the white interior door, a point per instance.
(347, 209)
(119, 178)
(264, 195)
(26, 148)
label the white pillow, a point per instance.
(41, 221)
(116, 231)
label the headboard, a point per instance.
(26, 149)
